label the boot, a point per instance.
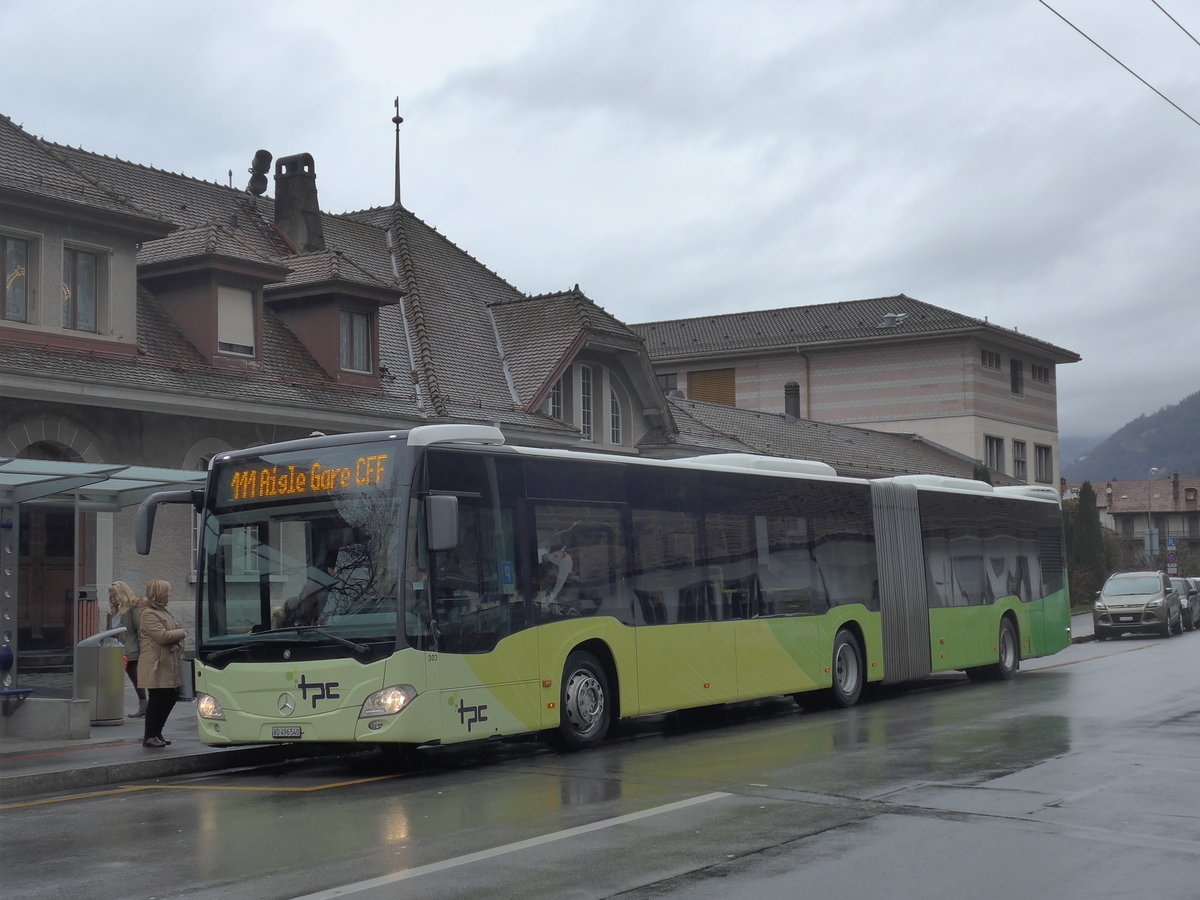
(141, 710)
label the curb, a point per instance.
(14, 787)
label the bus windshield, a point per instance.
(313, 565)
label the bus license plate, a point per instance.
(285, 731)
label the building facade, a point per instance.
(888, 364)
(1156, 522)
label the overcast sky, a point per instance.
(684, 157)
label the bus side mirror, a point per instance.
(441, 522)
(143, 525)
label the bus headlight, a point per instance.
(208, 707)
(388, 701)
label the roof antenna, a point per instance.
(397, 119)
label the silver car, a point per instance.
(1189, 600)
(1137, 601)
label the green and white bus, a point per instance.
(436, 585)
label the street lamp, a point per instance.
(1151, 543)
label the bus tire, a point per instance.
(585, 707)
(848, 670)
(1008, 656)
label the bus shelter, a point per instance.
(46, 600)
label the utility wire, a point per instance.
(1121, 64)
(1176, 21)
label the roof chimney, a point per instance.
(297, 212)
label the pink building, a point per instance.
(889, 364)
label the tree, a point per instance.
(1086, 552)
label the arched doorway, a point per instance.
(46, 572)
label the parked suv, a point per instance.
(1189, 601)
(1137, 601)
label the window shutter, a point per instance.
(712, 386)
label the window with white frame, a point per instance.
(355, 352)
(235, 321)
(585, 401)
(14, 263)
(1043, 463)
(989, 359)
(555, 407)
(993, 448)
(614, 417)
(1040, 374)
(1020, 466)
(1016, 371)
(80, 283)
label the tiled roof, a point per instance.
(333, 266)
(211, 239)
(856, 452)
(1159, 495)
(33, 167)
(539, 332)
(826, 323)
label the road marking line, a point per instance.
(469, 858)
(130, 788)
(122, 790)
(1076, 662)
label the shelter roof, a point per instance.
(95, 486)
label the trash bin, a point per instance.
(187, 674)
(100, 676)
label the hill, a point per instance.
(1168, 439)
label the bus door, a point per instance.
(479, 654)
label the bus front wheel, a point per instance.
(585, 710)
(847, 670)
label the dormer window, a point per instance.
(79, 287)
(355, 352)
(14, 262)
(593, 399)
(235, 321)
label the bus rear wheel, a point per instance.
(585, 708)
(847, 670)
(1009, 657)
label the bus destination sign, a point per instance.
(300, 476)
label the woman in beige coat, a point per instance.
(161, 641)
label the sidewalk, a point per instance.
(114, 755)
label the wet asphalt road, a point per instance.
(1079, 779)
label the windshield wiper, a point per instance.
(314, 629)
(228, 651)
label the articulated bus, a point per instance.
(436, 585)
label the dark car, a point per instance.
(1189, 601)
(1137, 601)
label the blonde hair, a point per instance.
(157, 591)
(120, 598)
